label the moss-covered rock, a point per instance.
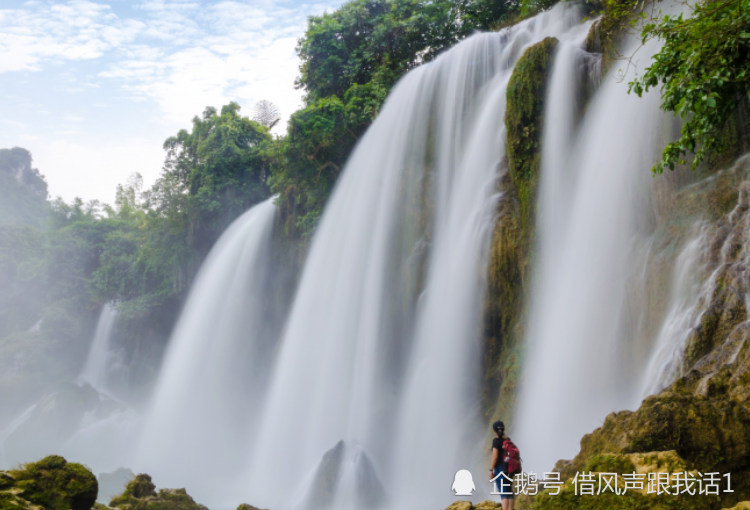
(524, 112)
(51, 484)
(245, 506)
(141, 494)
(513, 238)
(461, 505)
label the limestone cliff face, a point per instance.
(703, 416)
(513, 238)
(701, 420)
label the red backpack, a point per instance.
(512, 457)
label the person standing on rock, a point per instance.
(499, 466)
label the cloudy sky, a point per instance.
(93, 89)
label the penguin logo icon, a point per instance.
(463, 483)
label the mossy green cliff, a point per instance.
(511, 253)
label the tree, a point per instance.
(704, 72)
(266, 114)
(379, 40)
(214, 173)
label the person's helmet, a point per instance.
(498, 426)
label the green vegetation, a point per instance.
(140, 253)
(609, 464)
(350, 59)
(513, 239)
(140, 494)
(52, 483)
(703, 70)
(377, 41)
(60, 262)
(523, 119)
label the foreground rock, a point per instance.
(140, 494)
(51, 484)
(467, 505)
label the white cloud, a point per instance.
(179, 55)
(92, 171)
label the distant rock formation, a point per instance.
(17, 162)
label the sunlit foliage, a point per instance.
(703, 70)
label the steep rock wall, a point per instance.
(513, 238)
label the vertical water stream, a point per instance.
(98, 364)
(205, 400)
(381, 347)
(595, 190)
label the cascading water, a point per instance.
(99, 362)
(681, 317)
(362, 359)
(370, 396)
(202, 410)
(592, 193)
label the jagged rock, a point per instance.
(51, 484)
(245, 506)
(140, 494)
(461, 505)
(487, 505)
(345, 465)
(327, 477)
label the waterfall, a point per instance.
(594, 195)
(203, 404)
(381, 349)
(99, 361)
(681, 317)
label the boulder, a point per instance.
(461, 505)
(51, 484)
(141, 494)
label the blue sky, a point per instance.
(93, 89)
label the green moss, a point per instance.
(511, 251)
(140, 487)
(52, 483)
(568, 500)
(524, 121)
(609, 464)
(140, 494)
